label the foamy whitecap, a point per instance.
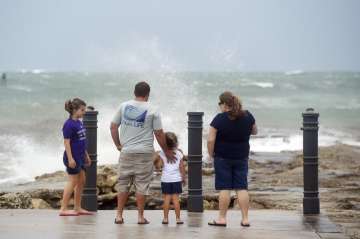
(276, 144)
(37, 71)
(260, 84)
(264, 84)
(294, 142)
(294, 72)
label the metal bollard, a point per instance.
(89, 198)
(311, 202)
(195, 197)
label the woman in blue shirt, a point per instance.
(228, 144)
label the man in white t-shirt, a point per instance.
(139, 121)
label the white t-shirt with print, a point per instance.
(137, 120)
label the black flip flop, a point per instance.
(144, 222)
(164, 223)
(119, 221)
(216, 224)
(180, 223)
(245, 225)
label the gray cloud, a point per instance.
(180, 35)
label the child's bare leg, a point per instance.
(68, 190)
(175, 201)
(166, 207)
(78, 192)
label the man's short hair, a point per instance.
(142, 89)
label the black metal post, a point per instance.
(195, 197)
(89, 199)
(311, 202)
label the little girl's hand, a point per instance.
(119, 147)
(72, 163)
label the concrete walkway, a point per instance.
(264, 224)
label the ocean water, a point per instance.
(32, 110)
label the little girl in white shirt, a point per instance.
(172, 177)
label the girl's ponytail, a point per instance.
(68, 106)
(72, 105)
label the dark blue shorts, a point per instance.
(80, 165)
(230, 174)
(171, 188)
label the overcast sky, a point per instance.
(200, 35)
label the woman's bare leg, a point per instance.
(224, 201)
(243, 200)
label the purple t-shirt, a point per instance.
(75, 131)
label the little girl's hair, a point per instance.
(74, 104)
(171, 140)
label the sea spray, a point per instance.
(31, 110)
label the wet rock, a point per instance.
(348, 204)
(206, 204)
(208, 171)
(38, 203)
(106, 179)
(51, 176)
(15, 201)
(106, 184)
(107, 201)
(210, 205)
(50, 196)
(154, 203)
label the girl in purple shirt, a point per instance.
(75, 157)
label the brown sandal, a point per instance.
(119, 221)
(144, 222)
(245, 225)
(214, 223)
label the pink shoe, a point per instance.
(68, 213)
